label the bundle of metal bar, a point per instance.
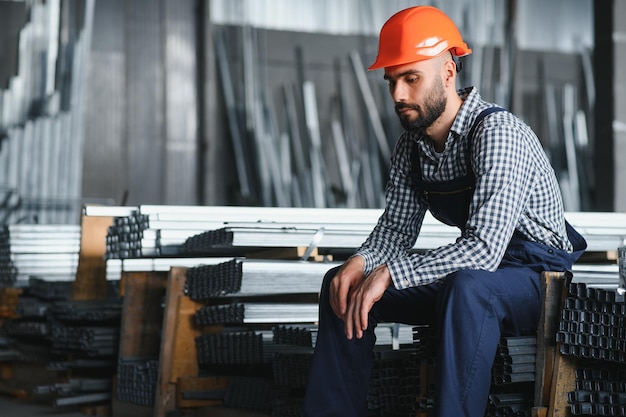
(31, 307)
(35, 329)
(291, 369)
(602, 276)
(592, 324)
(233, 347)
(49, 290)
(137, 380)
(599, 391)
(255, 277)
(115, 267)
(394, 335)
(257, 313)
(90, 340)
(509, 404)
(295, 335)
(340, 239)
(42, 146)
(162, 230)
(75, 385)
(394, 383)
(515, 360)
(250, 393)
(425, 341)
(47, 251)
(87, 310)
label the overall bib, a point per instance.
(471, 310)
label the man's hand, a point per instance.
(362, 299)
(350, 274)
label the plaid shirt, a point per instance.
(516, 189)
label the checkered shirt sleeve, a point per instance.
(516, 189)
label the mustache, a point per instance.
(401, 106)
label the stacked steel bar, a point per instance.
(46, 251)
(250, 393)
(90, 328)
(291, 369)
(424, 341)
(249, 313)
(515, 360)
(137, 380)
(599, 392)
(394, 383)
(593, 324)
(162, 230)
(250, 277)
(509, 404)
(331, 238)
(233, 347)
(295, 335)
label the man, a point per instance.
(484, 172)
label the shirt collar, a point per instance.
(461, 125)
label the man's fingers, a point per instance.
(338, 297)
(348, 322)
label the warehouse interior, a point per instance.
(145, 145)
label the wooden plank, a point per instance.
(90, 282)
(142, 314)
(140, 328)
(178, 355)
(564, 369)
(563, 381)
(552, 284)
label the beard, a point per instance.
(434, 105)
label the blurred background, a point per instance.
(269, 103)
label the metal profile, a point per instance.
(249, 277)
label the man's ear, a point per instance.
(449, 72)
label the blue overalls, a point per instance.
(471, 310)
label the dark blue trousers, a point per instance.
(472, 310)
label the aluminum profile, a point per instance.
(246, 277)
(48, 252)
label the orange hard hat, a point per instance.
(415, 34)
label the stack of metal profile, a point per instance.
(515, 360)
(506, 404)
(78, 391)
(49, 252)
(250, 393)
(257, 313)
(233, 347)
(88, 340)
(150, 231)
(599, 392)
(394, 383)
(425, 341)
(295, 335)
(153, 230)
(137, 380)
(255, 277)
(50, 290)
(593, 324)
(333, 239)
(88, 328)
(291, 369)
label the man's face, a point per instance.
(418, 93)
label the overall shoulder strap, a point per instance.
(470, 136)
(480, 117)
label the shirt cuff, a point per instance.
(401, 270)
